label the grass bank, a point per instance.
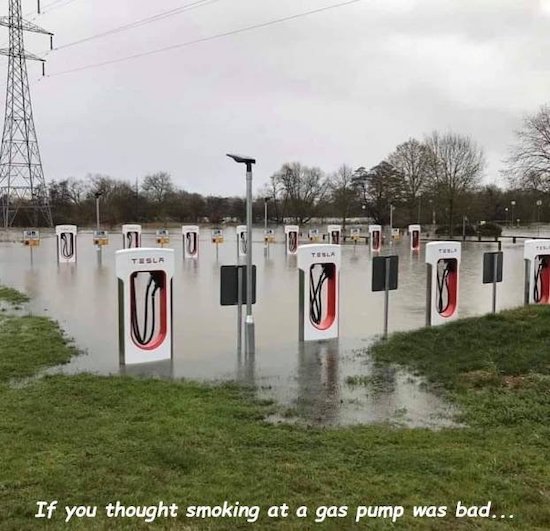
(91, 440)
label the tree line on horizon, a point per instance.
(438, 179)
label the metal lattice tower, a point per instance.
(22, 183)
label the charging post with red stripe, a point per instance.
(131, 236)
(443, 271)
(414, 237)
(145, 304)
(319, 291)
(190, 236)
(375, 238)
(537, 271)
(292, 233)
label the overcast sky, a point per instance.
(341, 86)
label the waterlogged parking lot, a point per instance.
(329, 383)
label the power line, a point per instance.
(142, 22)
(206, 39)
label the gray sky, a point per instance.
(342, 86)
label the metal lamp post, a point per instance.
(249, 319)
(506, 216)
(539, 203)
(513, 203)
(266, 244)
(97, 196)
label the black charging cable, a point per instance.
(316, 293)
(443, 286)
(292, 241)
(191, 242)
(335, 237)
(67, 244)
(242, 242)
(132, 239)
(143, 335)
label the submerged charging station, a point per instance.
(31, 238)
(145, 304)
(414, 237)
(241, 241)
(131, 236)
(375, 237)
(190, 235)
(66, 243)
(537, 271)
(335, 234)
(291, 239)
(443, 265)
(319, 291)
(313, 235)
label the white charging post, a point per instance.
(319, 291)
(536, 254)
(241, 241)
(443, 272)
(131, 236)
(334, 234)
(145, 304)
(375, 237)
(65, 236)
(190, 235)
(292, 233)
(414, 237)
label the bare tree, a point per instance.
(410, 159)
(343, 193)
(455, 165)
(528, 164)
(157, 186)
(302, 188)
(379, 187)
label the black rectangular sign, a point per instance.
(229, 281)
(489, 267)
(379, 266)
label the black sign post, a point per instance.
(492, 272)
(385, 271)
(233, 292)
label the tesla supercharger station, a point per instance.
(190, 235)
(131, 236)
(375, 237)
(145, 304)
(537, 271)
(335, 234)
(414, 237)
(241, 241)
(66, 243)
(291, 239)
(319, 291)
(443, 264)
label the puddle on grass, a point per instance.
(327, 383)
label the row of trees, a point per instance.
(436, 179)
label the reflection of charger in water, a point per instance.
(541, 284)
(152, 329)
(67, 245)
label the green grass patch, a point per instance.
(93, 440)
(12, 296)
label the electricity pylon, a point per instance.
(22, 183)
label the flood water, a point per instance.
(311, 380)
